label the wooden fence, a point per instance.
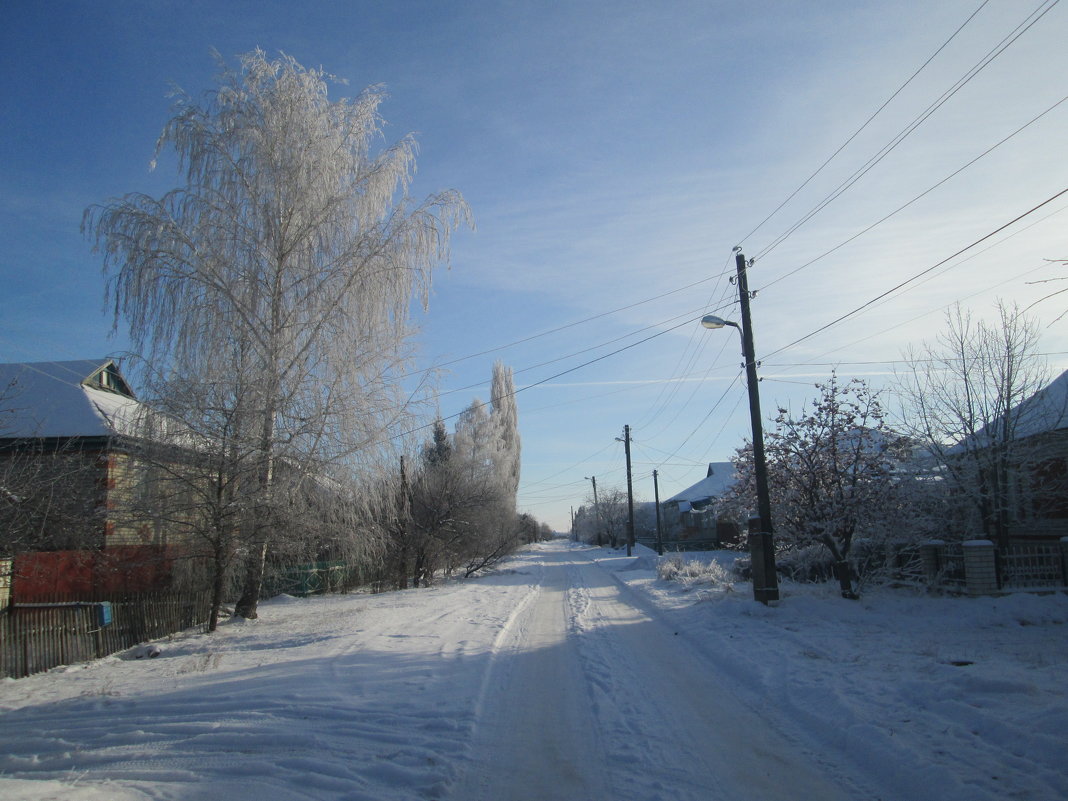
(63, 631)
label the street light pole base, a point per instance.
(762, 555)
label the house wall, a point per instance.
(90, 574)
(131, 519)
(76, 525)
(53, 499)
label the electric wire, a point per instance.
(915, 277)
(557, 375)
(915, 199)
(695, 348)
(564, 327)
(710, 412)
(991, 55)
(929, 312)
(866, 123)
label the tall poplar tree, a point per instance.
(506, 416)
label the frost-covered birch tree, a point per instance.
(292, 252)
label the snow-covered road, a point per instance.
(568, 674)
(591, 696)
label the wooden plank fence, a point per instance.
(63, 631)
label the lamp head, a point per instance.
(712, 321)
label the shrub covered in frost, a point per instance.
(693, 571)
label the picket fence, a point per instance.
(61, 630)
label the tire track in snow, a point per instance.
(535, 737)
(673, 731)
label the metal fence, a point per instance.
(979, 567)
(61, 631)
(1032, 565)
(680, 546)
(310, 579)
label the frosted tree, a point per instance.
(831, 474)
(965, 400)
(506, 416)
(292, 251)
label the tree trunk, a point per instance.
(218, 585)
(250, 595)
(842, 570)
(844, 574)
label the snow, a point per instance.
(571, 672)
(722, 476)
(48, 399)
(1046, 410)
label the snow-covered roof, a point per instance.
(721, 477)
(1046, 410)
(84, 398)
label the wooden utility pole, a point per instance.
(659, 531)
(630, 493)
(596, 510)
(765, 582)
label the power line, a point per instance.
(917, 275)
(882, 361)
(687, 314)
(704, 419)
(984, 62)
(690, 354)
(564, 327)
(867, 122)
(923, 194)
(562, 372)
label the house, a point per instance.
(1040, 493)
(691, 513)
(65, 470)
(1018, 465)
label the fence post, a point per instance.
(932, 556)
(980, 567)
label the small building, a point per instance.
(1039, 485)
(65, 470)
(692, 513)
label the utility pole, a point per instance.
(630, 493)
(659, 531)
(596, 509)
(765, 582)
(404, 514)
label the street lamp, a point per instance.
(711, 321)
(761, 548)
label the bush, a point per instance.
(694, 571)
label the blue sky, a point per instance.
(611, 152)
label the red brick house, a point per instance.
(65, 470)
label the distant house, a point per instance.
(65, 470)
(1040, 489)
(692, 512)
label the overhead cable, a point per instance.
(918, 275)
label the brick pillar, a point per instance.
(932, 556)
(980, 569)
